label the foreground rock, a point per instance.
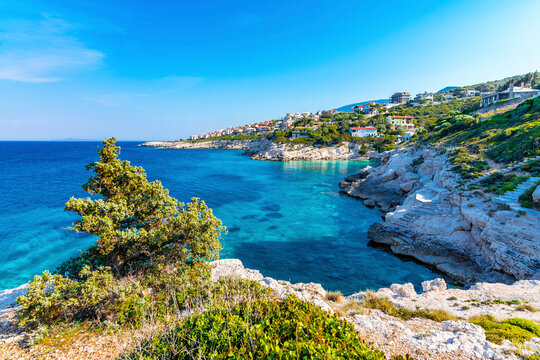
(418, 337)
(264, 149)
(461, 233)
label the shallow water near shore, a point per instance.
(285, 219)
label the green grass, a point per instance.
(516, 330)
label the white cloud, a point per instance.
(42, 51)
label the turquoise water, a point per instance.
(285, 219)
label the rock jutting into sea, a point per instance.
(461, 233)
(265, 149)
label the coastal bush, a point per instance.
(532, 167)
(501, 183)
(467, 166)
(526, 199)
(149, 247)
(371, 301)
(516, 330)
(263, 329)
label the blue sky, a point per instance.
(141, 70)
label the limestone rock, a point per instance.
(405, 290)
(434, 285)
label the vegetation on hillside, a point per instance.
(528, 80)
(262, 329)
(526, 199)
(501, 183)
(516, 330)
(504, 138)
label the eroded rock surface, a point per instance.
(461, 233)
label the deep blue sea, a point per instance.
(285, 219)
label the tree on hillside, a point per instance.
(145, 239)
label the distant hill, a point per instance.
(448, 88)
(348, 108)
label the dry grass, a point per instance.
(526, 307)
(353, 307)
(385, 305)
(334, 296)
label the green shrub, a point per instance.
(500, 184)
(532, 167)
(264, 329)
(145, 240)
(516, 330)
(526, 199)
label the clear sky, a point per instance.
(162, 70)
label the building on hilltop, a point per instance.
(423, 96)
(400, 98)
(363, 131)
(404, 122)
(511, 93)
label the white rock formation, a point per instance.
(461, 233)
(264, 149)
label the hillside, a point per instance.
(504, 138)
(529, 80)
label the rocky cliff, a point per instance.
(264, 149)
(459, 232)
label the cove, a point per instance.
(285, 219)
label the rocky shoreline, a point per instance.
(418, 337)
(461, 233)
(264, 149)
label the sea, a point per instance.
(285, 219)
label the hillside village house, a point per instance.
(471, 93)
(300, 132)
(511, 93)
(404, 122)
(367, 109)
(363, 131)
(400, 98)
(423, 96)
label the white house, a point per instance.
(471, 93)
(423, 96)
(363, 131)
(448, 96)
